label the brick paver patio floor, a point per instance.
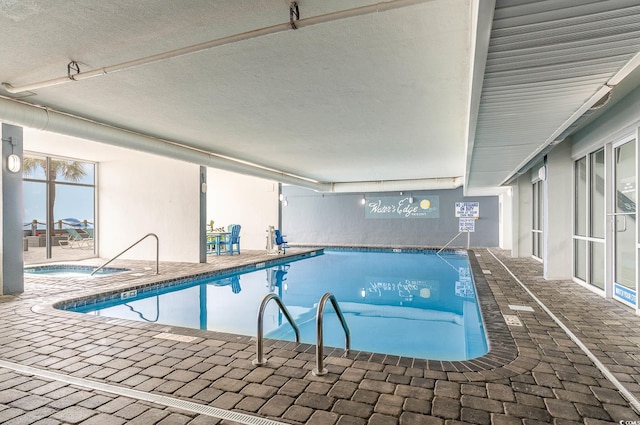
(58, 367)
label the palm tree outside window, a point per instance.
(59, 192)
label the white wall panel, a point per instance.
(142, 193)
(239, 199)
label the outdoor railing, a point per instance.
(83, 224)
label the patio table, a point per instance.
(216, 237)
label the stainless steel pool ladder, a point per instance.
(260, 360)
(320, 370)
(132, 245)
(447, 244)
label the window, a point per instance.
(589, 219)
(538, 215)
(59, 193)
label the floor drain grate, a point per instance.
(512, 320)
(215, 412)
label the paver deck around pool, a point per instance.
(59, 367)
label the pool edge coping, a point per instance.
(502, 360)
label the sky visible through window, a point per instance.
(71, 200)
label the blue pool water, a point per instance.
(409, 304)
(70, 270)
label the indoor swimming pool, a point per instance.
(412, 304)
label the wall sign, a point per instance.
(624, 293)
(400, 207)
(466, 224)
(467, 209)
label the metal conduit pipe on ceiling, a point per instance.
(40, 118)
(398, 185)
(349, 13)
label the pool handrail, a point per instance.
(131, 246)
(447, 244)
(320, 370)
(260, 360)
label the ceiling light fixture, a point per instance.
(363, 200)
(13, 163)
(603, 101)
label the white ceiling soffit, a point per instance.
(546, 60)
(375, 97)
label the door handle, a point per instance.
(624, 228)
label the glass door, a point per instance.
(624, 222)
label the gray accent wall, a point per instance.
(339, 219)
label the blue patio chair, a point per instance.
(282, 244)
(233, 240)
(233, 281)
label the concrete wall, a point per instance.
(238, 199)
(316, 218)
(142, 193)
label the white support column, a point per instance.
(11, 211)
(506, 222)
(558, 200)
(203, 214)
(523, 217)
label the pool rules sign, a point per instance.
(467, 213)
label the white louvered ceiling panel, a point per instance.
(545, 60)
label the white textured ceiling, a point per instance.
(385, 96)
(381, 96)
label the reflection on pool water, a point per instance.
(70, 270)
(411, 304)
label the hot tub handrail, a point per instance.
(320, 370)
(131, 246)
(260, 360)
